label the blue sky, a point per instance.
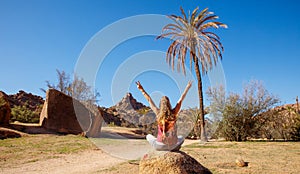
(39, 36)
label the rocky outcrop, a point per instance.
(128, 109)
(63, 114)
(22, 98)
(96, 125)
(131, 112)
(171, 163)
(128, 103)
(111, 116)
(4, 109)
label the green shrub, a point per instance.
(2, 102)
(239, 113)
(24, 115)
(143, 111)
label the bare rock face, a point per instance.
(4, 109)
(171, 163)
(63, 114)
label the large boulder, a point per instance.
(4, 109)
(171, 163)
(97, 120)
(63, 114)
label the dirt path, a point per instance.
(91, 161)
(83, 162)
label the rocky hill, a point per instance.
(22, 98)
(23, 107)
(129, 103)
(128, 113)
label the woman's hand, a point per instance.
(139, 86)
(189, 84)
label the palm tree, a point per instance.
(192, 34)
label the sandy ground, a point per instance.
(84, 162)
(91, 161)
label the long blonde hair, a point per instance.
(165, 114)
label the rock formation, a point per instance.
(171, 163)
(97, 120)
(129, 112)
(63, 114)
(4, 109)
(32, 102)
(128, 109)
(128, 102)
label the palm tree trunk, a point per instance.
(200, 120)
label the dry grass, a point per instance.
(262, 157)
(32, 148)
(220, 157)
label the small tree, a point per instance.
(240, 112)
(77, 88)
(63, 84)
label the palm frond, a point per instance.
(202, 16)
(221, 24)
(208, 25)
(194, 14)
(169, 53)
(211, 34)
(173, 27)
(207, 18)
(183, 56)
(164, 35)
(183, 13)
(179, 21)
(179, 60)
(217, 43)
(174, 54)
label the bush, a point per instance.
(239, 113)
(282, 122)
(24, 115)
(295, 135)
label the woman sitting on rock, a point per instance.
(166, 117)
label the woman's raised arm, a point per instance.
(178, 105)
(148, 98)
